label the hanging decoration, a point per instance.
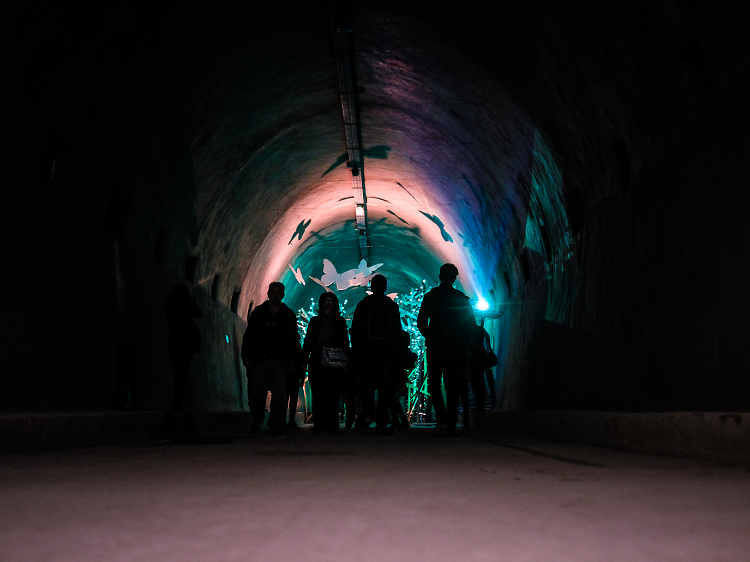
(357, 277)
(297, 274)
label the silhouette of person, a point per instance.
(349, 393)
(446, 321)
(480, 343)
(270, 351)
(184, 339)
(294, 381)
(375, 328)
(326, 329)
(480, 347)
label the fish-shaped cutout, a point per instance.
(300, 232)
(297, 274)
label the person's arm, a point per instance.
(311, 337)
(486, 343)
(245, 350)
(469, 326)
(248, 340)
(396, 319)
(423, 317)
(355, 332)
(342, 335)
(294, 345)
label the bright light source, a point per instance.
(482, 304)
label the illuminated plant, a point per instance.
(416, 382)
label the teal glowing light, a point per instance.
(482, 304)
(227, 338)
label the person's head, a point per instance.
(448, 273)
(378, 284)
(328, 304)
(276, 292)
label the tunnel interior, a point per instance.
(581, 163)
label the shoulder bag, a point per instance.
(334, 357)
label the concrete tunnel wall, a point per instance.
(585, 159)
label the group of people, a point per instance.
(373, 355)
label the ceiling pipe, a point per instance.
(343, 42)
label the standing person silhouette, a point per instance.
(375, 338)
(270, 350)
(479, 365)
(446, 320)
(184, 339)
(326, 329)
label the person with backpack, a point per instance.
(482, 360)
(375, 338)
(270, 352)
(446, 320)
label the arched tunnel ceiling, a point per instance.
(152, 136)
(264, 161)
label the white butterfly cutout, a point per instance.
(358, 277)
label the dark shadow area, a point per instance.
(300, 232)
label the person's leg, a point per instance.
(259, 390)
(491, 384)
(333, 392)
(465, 403)
(325, 406)
(349, 387)
(277, 386)
(385, 392)
(399, 391)
(453, 383)
(400, 421)
(435, 368)
(427, 410)
(367, 394)
(292, 392)
(249, 376)
(477, 386)
(318, 400)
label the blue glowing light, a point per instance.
(482, 304)
(227, 338)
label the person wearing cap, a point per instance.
(446, 321)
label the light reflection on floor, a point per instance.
(354, 497)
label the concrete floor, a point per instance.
(407, 497)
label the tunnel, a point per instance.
(580, 163)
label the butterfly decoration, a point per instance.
(357, 277)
